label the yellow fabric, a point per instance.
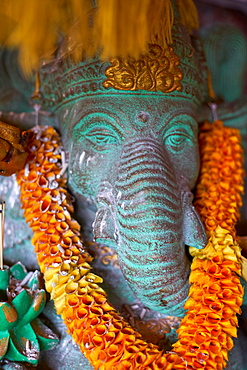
(188, 14)
(120, 28)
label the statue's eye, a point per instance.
(181, 134)
(102, 139)
(176, 141)
(98, 131)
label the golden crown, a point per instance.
(178, 70)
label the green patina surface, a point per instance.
(133, 163)
(134, 157)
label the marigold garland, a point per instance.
(103, 335)
(216, 294)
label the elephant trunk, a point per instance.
(149, 222)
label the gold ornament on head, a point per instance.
(156, 71)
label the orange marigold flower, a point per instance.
(221, 179)
(216, 294)
(103, 335)
(106, 339)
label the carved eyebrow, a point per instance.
(189, 123)
(184, 126)
(93, 119)
(192, 123)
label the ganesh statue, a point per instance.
(129, 153)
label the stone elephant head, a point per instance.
(131, 132)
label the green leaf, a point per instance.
(18, 271)
(22, 303)
(4, 341)
(8, 316)
(47, 339)
(4, 282)
(35, 280)
(37, 306)
(23, 345)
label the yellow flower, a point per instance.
(215, 295)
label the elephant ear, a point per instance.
(194, 234)
(225, 48)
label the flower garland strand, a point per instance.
(105, 338)
(216, 294)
